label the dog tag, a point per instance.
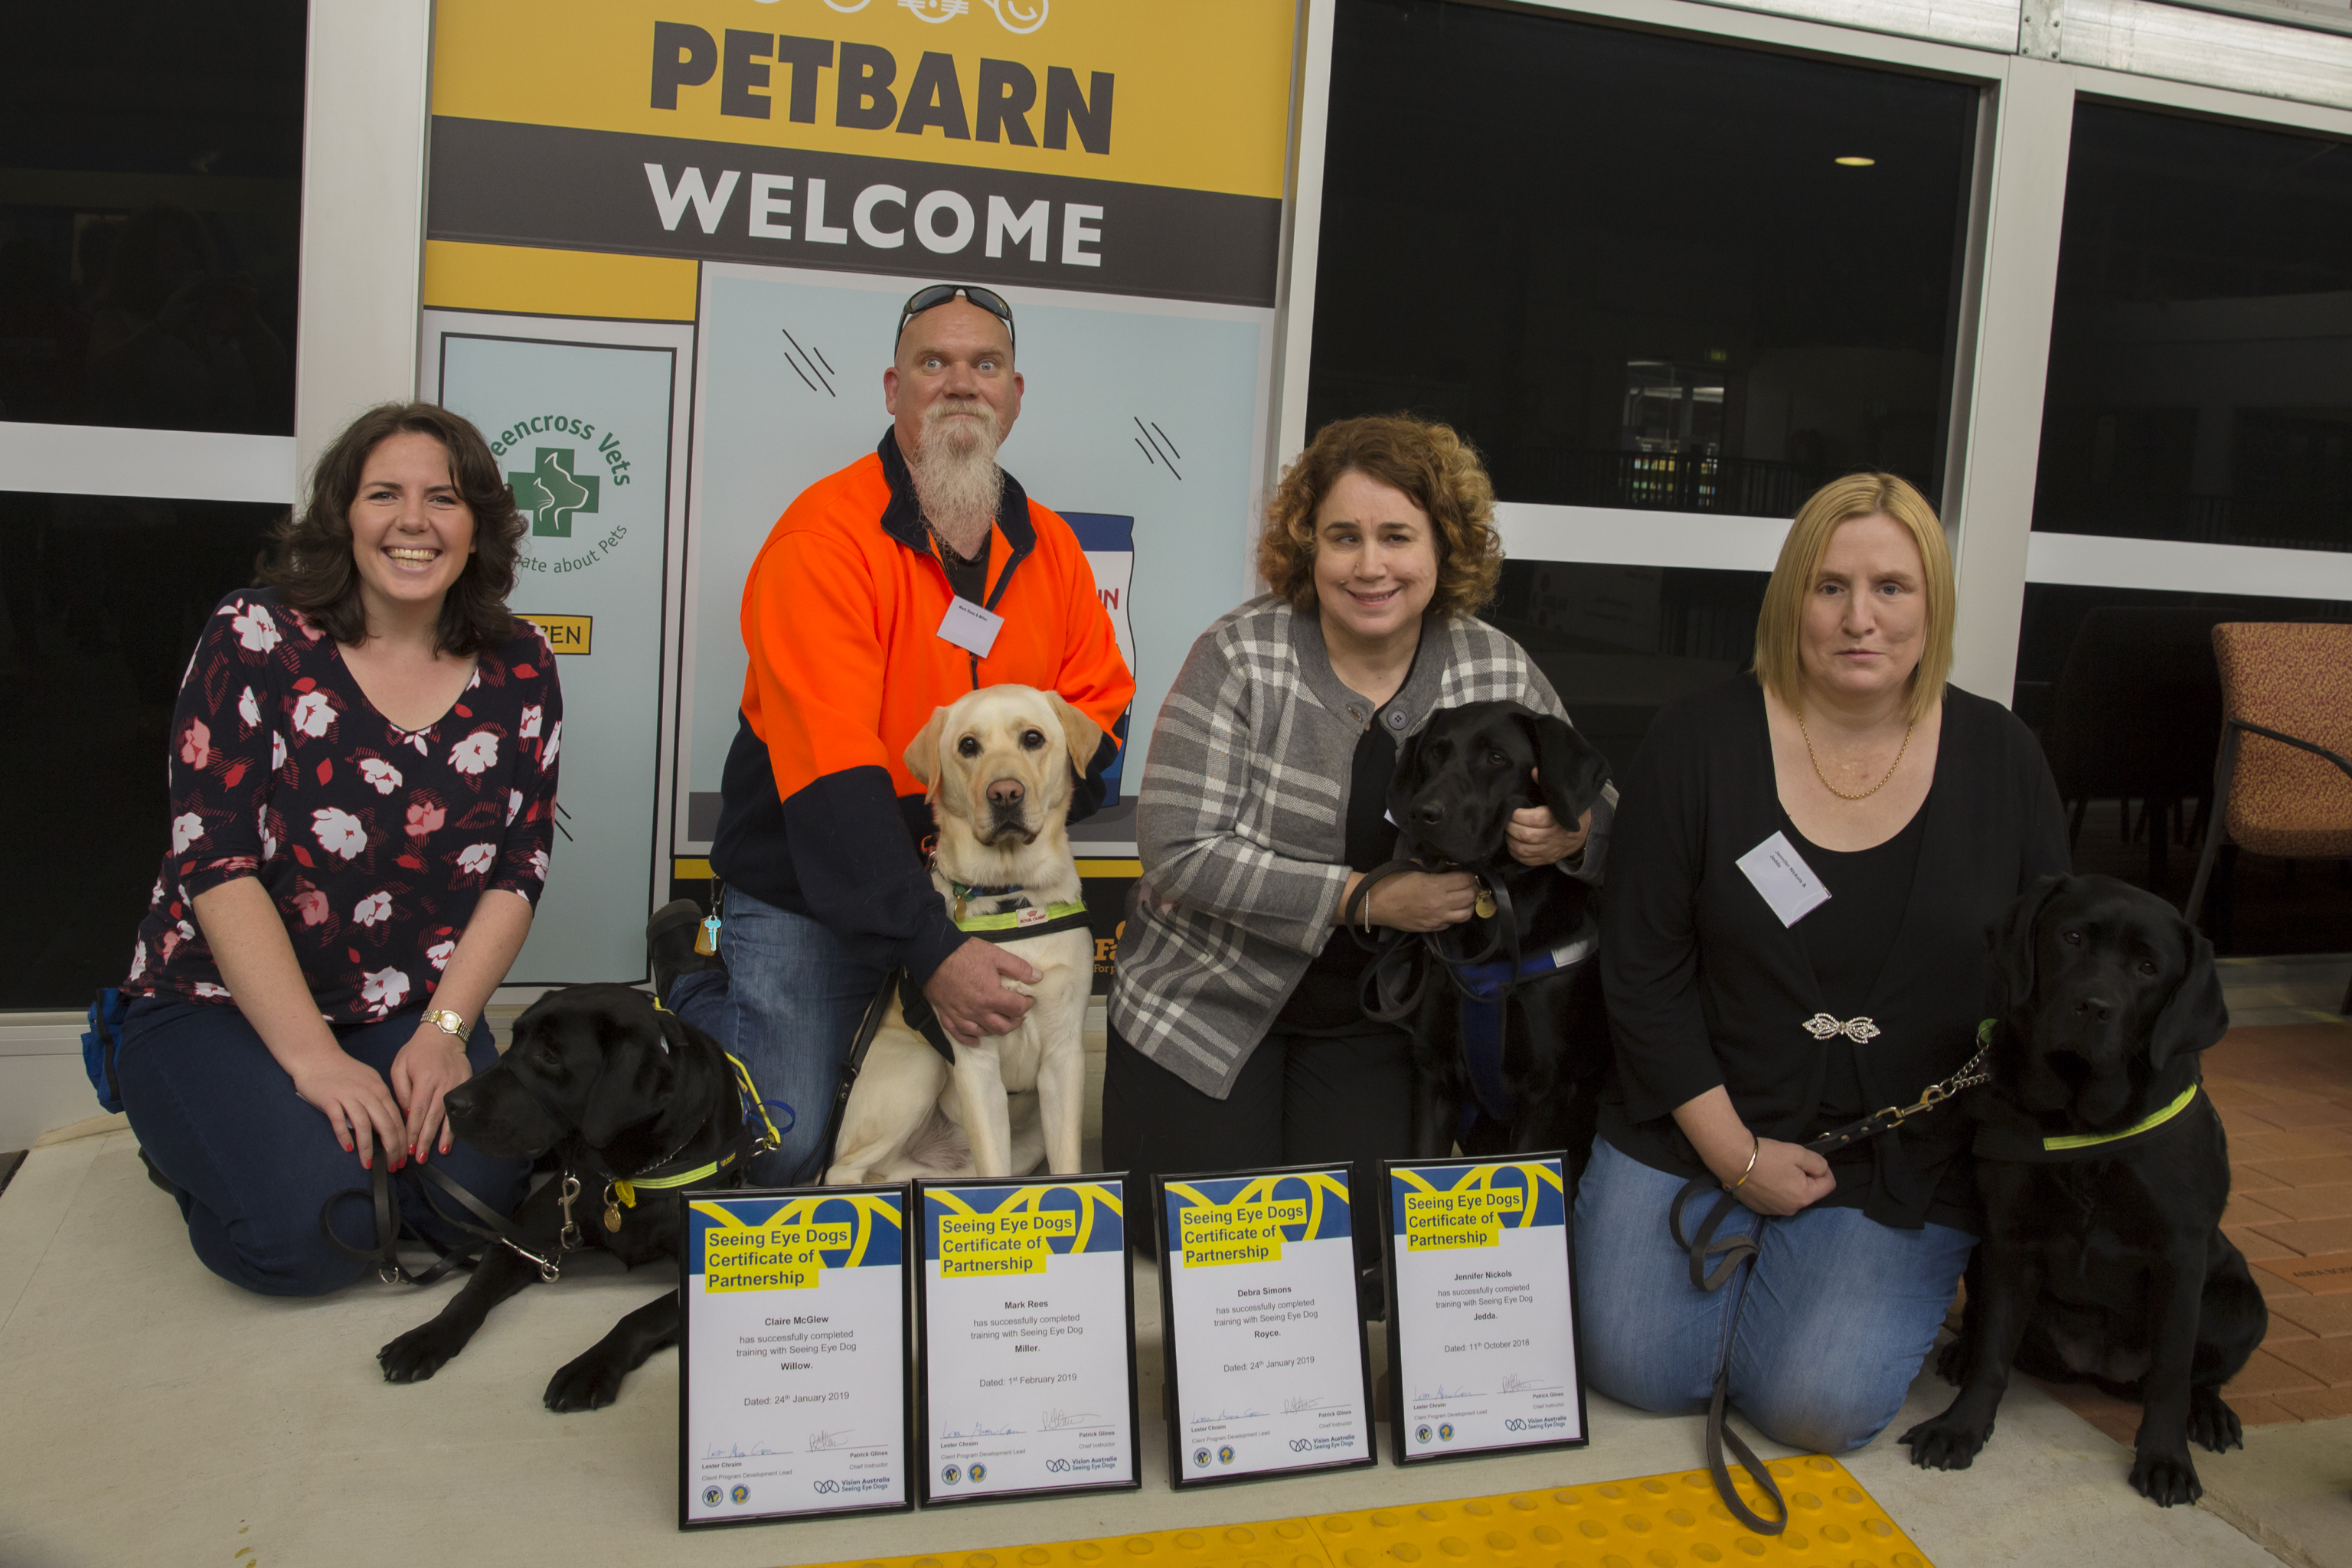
(1786, 883)
(1485, 902)
(970, 627)
(612, 1215)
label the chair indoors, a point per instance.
(2282, 781)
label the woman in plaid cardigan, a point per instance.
(1236, 1038)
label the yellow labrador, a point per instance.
(997, 764)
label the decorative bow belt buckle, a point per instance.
(1859, 1030)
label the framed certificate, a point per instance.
(1267, 1371)
(1026, 1315)
(1482, 1308)
(791, 1355)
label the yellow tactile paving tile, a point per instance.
(1651, 1522)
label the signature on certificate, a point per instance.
(1515, 1383)
(1058, 1419)
(1301, 1405)
(737, 1451)
(820, 1440)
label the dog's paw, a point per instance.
(2165, 1479)
(2213, 1424)
(588, 1383)
(416, 1355)
(1944, 1443)
(1952, 1362)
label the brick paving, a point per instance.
(2285, 1096)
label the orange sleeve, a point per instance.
(811, 628)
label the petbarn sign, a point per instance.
(744, 191)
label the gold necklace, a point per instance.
(1834, 789)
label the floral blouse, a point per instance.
(376, 842)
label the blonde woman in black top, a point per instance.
(1749, 1013)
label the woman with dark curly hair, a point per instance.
(362, 778)
(1236, 1035)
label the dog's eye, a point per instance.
(2072, 938)
(1031, 740)
(1496, 759)
(548, 1057)
(967, 747)
(2147, 966)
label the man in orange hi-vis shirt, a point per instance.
(852, 621)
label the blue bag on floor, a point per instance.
(97, 1045)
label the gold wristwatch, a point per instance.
(447, 1022)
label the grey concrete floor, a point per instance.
(153, 1414)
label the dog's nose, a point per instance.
(1430, 812)
(1004, 793)
(2095, 1008)
(459, 1102)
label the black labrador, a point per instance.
(602, 1083)
(2104, 1171)
(1456, 783)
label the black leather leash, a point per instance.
(1714, 1260)
(496, 1229)
(1394, 965)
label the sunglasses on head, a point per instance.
(938, 294)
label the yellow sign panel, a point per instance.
(1217, 1235)
(565, 634)
(1007, 1242)
(1194, 95)
(776, 1257)
(1439, 1222)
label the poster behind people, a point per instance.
(765, 183)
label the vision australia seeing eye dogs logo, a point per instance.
(551, 493)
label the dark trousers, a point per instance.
(1300, 1099)
(255, 1163)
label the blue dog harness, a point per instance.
(1484, 993)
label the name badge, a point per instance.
(970, 627)
(1782, 875)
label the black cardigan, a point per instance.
(1706, 986)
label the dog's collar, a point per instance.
(1012, 925)
(2006, 1143)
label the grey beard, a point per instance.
(959, 488)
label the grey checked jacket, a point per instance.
(1242, 823)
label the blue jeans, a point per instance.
(1828, 1324)
(254, 1163)
(787, 1006)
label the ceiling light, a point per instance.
(1852, 162)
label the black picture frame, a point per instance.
(1172, 1399)
(685, 1351)
(919, 1453)
(1399, 1418)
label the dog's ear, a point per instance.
(638, 1069)
(1570, 768)
(1080, 733)
(2012, 941)
(2195, 1016)
(923, 751)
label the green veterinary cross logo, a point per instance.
(551, 493)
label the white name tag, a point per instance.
(1786, 883)
(970, 627)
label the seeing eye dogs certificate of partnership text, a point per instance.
(1024, 1312)
(1482, 1321)
(1267, 1368)
(792, 1355)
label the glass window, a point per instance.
(2200, 354)
(1639, 271)
(1618, 643)
(100, 598)
(149, 215)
